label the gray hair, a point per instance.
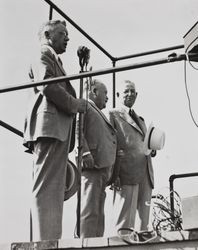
(49, 26)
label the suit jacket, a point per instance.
(99, 137)
(130, 136)
(52, 109)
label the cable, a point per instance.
(164, 219)
(191, 64)
(188, 96)
(187, 56)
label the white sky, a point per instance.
(122, 27)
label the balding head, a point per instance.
(97, 92)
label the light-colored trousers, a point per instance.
(129, 200)
(93, 184)
(49, 175)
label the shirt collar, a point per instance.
(52, 51)
(92, 102)
(125, 108)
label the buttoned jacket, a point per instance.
(52, 109)
(130, 136)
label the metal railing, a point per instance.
(81, 76)
(113, 59)
(169, 59)
(171, 187)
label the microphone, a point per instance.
(84, 55)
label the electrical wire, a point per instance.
(164, 219)
(188, 96)
(187, 56)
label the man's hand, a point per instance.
(153, 153)
(88, 161)
(82, 106)
(116, 185)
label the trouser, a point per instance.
(93, 184)
(49, 175)
(132, 198)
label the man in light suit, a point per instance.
(49, 132)
(135, 172)
(99, 153)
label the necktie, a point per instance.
(130, 113)
(134, 118)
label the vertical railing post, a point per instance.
(80, 145)
(171, 189)
(50, 12)
(114, 86)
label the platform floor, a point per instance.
(185, 240)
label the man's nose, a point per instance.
(131, 93)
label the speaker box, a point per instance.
(191, 42)
(189, 208)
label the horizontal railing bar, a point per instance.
(94, 73)
(12, 129)
(171, 187)
(79, 29)
(149, 52)
(177, 176)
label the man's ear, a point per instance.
(47, 34)
(94, 91)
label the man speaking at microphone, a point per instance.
(50, 132)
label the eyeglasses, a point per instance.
(130, 236)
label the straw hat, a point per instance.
(154, 139)
(72, 180)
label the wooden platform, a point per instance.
(185, 240)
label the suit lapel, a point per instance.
(70, 88)
(101, 113)
(50, 52)
(140, 123)
(125, 116)
(60, 66)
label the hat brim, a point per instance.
(147, 150)
(72, 180)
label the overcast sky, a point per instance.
(122, 27)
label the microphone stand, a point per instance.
(83, 54)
